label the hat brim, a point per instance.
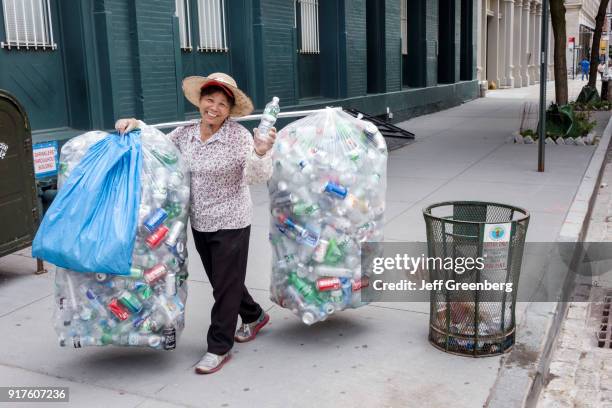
(192, 88)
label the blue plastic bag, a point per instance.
(91, 224)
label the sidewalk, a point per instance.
(376, 356)
(580, 371)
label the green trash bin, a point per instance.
(476, 320)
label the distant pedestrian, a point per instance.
(600, 68)
(585, 64)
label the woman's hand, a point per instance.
(124, 126)
(264, 143)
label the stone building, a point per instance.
(508, 38)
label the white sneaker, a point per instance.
(211, 363)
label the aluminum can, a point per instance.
(136, 273)
(324, 284)
(169, 335)
(320, 251)
(157, 237)
(130, 302)
(117, 310)
(335, 189)
(170, 284)
(155, 220)
(358, 284)
(155, 273)
(174, 233)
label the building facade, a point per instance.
(509, 44)
(580, 25)
(81, 64)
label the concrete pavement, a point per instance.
(580, 372)
(374, 356)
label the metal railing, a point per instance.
(28, 24)
(294, 114)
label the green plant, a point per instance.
(528, 132)
(583, 122)
(591, 106)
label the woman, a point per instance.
(224, 159)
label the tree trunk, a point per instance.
(599, 22)
(557, 16)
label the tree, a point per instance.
(599, 22)
(557, 17)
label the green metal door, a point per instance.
(18, 201)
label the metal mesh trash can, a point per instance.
(479, 318)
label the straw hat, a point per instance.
(192, 88)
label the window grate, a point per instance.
(182, 12)
(404, 23)
(211, 19)
(604, 336)
(27, 24)
(309, 26)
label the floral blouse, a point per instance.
(221, 168)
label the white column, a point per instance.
(501, 43)
(509, 34)
(533, 42)
(481, 27)
(525, 28)
(538, 43)
(518, 18)
(492, 45)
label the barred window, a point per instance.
(182, 12)
(211, 20)
(309, 26)
(27, 24)
(404, 23)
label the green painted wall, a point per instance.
(37, 79)
(393, 46)
(354, 48)
(275, 47)
(119, 58)
(449, 35)
(431, 42)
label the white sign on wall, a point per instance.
(45, 159)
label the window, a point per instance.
(211, 19)
(309, 26)
(27, 23)
(404, 23)
(182, 12)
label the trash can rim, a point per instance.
(427, 211)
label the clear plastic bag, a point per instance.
(327, 196)
(145, 307)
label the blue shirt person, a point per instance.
(585, 64)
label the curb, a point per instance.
(523, 371)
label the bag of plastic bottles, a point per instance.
(327, 196)
(144, 305)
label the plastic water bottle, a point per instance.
(268, 119)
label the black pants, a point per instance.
(224, 254)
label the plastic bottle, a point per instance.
(268, 118)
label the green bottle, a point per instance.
(304, 288)
(301, 208)
(164, 156)
(334, 254)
